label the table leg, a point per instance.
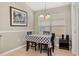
(49, 52)
(27, 46)
(35, 46)
(39, 46)
(53, 47)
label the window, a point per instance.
(55, 24)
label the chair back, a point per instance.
(29, 33)
(52, 37)
(67, 37)
(46, 32)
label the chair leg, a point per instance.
(27, 46)
(49, 52)
(40, 48)
(53, 47)
(35, 46)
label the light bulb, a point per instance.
(47, 17)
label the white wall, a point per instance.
(13, 37)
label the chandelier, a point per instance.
(45, 16)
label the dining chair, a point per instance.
(29, 33)
(46, 32)
(45, 46)
(33, 44)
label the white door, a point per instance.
(75, 28)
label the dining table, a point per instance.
(39, 38)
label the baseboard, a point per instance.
(12, 50)
(74, 54)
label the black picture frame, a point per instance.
(18, 17)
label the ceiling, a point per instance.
(41, 5)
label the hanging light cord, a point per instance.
(45, 15)
(45, 8)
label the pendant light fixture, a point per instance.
(45, 16)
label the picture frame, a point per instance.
(18, 17)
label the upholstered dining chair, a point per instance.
(29, 33)
(45, 46)
(33, 44)
(46, 32)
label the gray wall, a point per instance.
(66, 10)
(5, 16)
(13, 37)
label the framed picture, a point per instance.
(18, 17)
